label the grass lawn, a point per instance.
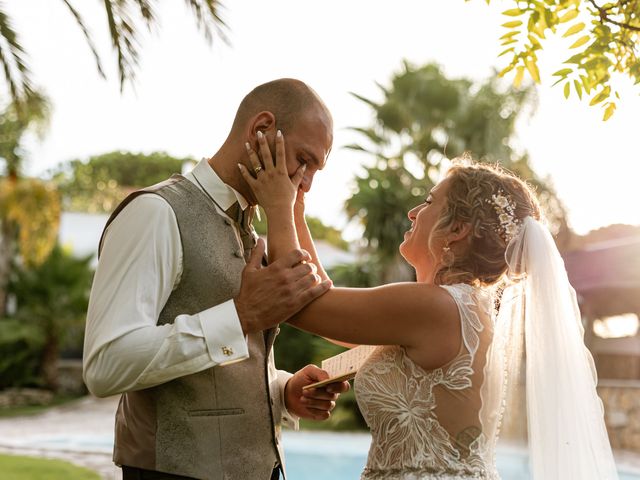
(28, 468)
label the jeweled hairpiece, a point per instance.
(505, 209)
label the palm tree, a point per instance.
(124, 19)
(423, 119)
(29, 208)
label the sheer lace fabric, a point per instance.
(426, 425)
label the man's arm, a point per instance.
(140, 264)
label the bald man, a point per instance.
(183, 313)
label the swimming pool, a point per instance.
(324, 455)
(310, 455)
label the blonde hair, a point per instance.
(481, 261)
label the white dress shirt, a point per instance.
(140, 265)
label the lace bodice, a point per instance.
(426, 424)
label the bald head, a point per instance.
(287, 99)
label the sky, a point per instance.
(186, 92)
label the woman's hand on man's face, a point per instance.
(270, 181)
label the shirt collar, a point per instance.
(223, 194)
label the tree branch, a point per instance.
(604, 17)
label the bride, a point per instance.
(434, 392)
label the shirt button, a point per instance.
(239, 253)
(227, 351)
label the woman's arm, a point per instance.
(408, 314)
(304, 235)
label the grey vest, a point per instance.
(220, 423)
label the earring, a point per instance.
(447, 256)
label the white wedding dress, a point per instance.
(443, 424)
(429, 425)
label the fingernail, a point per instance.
(327, 283)
(240, 166)
(259, 134)
(278, 134)
(247, 146)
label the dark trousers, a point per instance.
(133, 473)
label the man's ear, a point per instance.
(459, 231)
(264, 122)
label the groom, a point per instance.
(183, 314)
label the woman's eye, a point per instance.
(428, 200)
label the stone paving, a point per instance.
(81, 432)
(40, 435)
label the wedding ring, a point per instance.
(257, 169)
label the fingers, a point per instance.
(314, 292)
(338, 387)
(247, 176)
(254, 160)
(280, 161)
(298, 176)
(293, 258)
(315, 404)
(303, 269)
(265, 153)
(255, 260)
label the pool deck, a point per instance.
(90, 416)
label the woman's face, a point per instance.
(415, 247)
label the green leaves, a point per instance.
(519, 76)
(570, 15)
(605, 41)
(578, 87)
(126, 19)
(533, 69)
(574, 29)
(513, 24)
(609, 110)
(563, 73)
(603, 95)
(514, 12)
(581, 41)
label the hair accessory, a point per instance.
(505, 209)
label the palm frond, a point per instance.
(123, 38)
(147, 12)
(13, 61)
(207, 13)
(79, 20)
(371, 103)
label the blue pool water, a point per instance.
(313, 455)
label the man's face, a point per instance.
(309, 142)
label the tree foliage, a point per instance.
(603, 39)
(423, 119)
(125, 19)
(100, 183)
(53, 297)
(29, 208)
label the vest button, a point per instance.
(239, 253)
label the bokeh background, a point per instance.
(411, 85)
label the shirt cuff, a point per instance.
(223, 334)
(288, 419)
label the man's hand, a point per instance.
(270, 295)
(314, 403)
